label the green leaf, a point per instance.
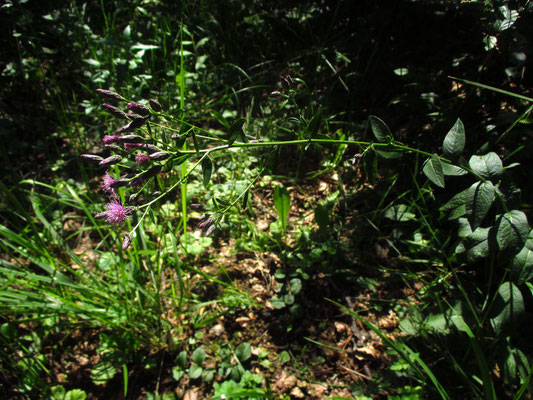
(399, 212)
(177, 373)
(482, 198)
(198, 355)
(508, 307)
(453, 170)
(181, 359)
(295, 285)
(195, 371)
(235, 131)
(282, 203)
(380, 130)
(243, 351)
(512, 230)
(457, 205)
(522, 266)
(207, 170)
(488, 166)
(476, 245)
(454, 142)
(434, 171)
(370, 164)
(322, 217)
(75, 394)
(314, 124)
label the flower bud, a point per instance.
(120, 182)
(130, 146)
(159, 156)
(155, 105)
(209, 231)
(154, 170)
(110, 160)
(138, 109)
(113, 147)
(206, 223)
(110, 139)
(133, 125)
(108, 94)
(130, 139)
(141, 158)
(196, 206)
(114, 111)
(149, 147)
(92, 157)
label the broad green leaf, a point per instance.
(181, 359)
(207, 170)
(389, 154)
(476, 245)
(370, 164)
(380, 130)
(195, 371)
(508, 307)
(457, 206)
(488, 166)
(433, 170)
(296, 286)
(282, 203)
(75, 394)
(512, 230)
(198, 355)
(399, 212)
(452, 170)
(454, 142)
(482, 198)
(243, 351)
(522, 266)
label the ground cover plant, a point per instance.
(263, 200)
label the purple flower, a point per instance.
(110, 139)
(138, 109)
(155, 105)
(141, 158)
(116, 213)
(130, 146)
(114, 111)
(107, 185)
(108, 94)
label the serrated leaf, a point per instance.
(488, 166)
(380, 130)
(207, 170)
(512, 230)
(282, 203)
(198, 355)
(454, 142)
(508, 307)
(482, 198)
(243, 351)
(433, 170)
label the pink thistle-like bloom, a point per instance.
(107, 184)
(141, 158)
(116, 214)
(110, 139)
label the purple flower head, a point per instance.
(110, 160)
(108, 94)
(114, 111)
(138, 109)
(130, 146)
(133, 125)
(110, 139)
(107, 185)
(141, 158)
(116, 213)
